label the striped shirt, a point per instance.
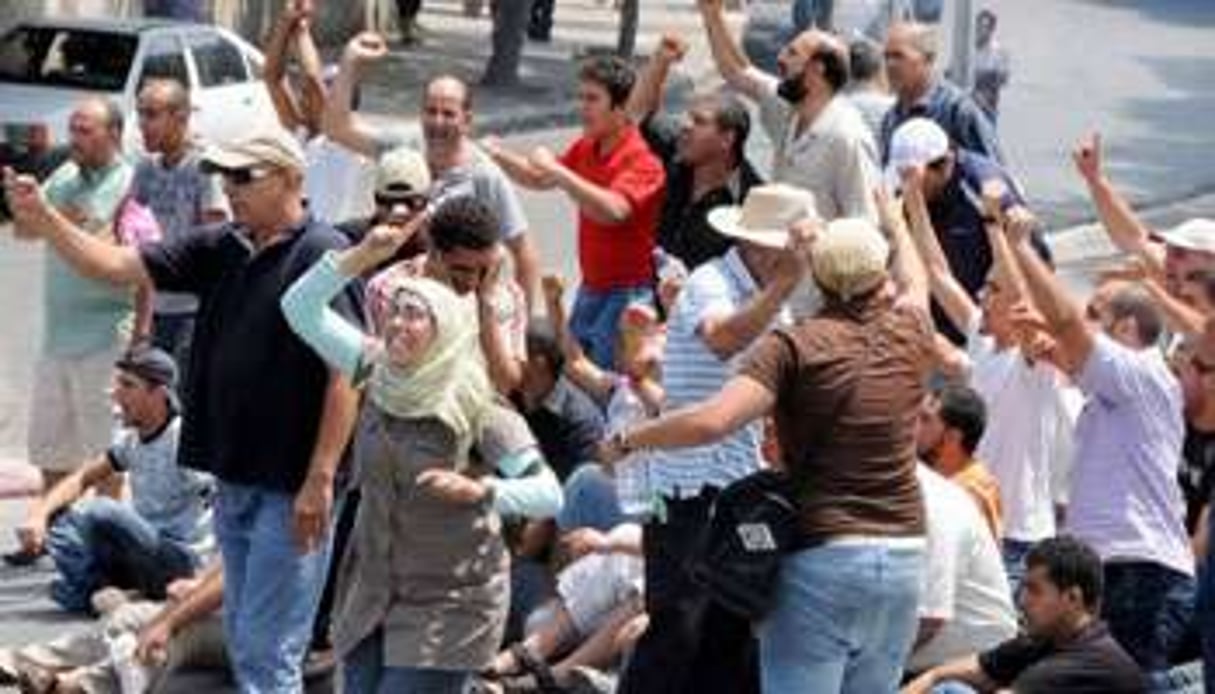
(692, 374)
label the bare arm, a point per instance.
(906, 268)
(274, 72)
(946, 289)
(740, 401)
(505, 369)
(646, 97)
(579, 369)
(314, 502)
(1121, 223)
(728, 335)
(203, 600)
(313, 86)
(339, 121)
(87, 253)
(144, 305)
(731, 62)
(1064, 318)
(962, 670)
(527, 266)
(519, 168)
(600, 204)
(69, 489)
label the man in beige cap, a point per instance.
(843, 387)
(727, 304)
(264, 415)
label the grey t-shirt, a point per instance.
(480, 178)
(177, 196)
(174, 499)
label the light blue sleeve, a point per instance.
(527, 487)
(306, 308)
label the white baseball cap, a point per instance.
(917, 142)
(1196, 235)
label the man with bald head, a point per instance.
(70, 409)
(181, 197)
(920, 91)
(457, 167)
(820, 141)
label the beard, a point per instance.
(793, 88)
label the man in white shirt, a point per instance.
(965, 604)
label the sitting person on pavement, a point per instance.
(162, 534)
(1067, 649)
(596, 616)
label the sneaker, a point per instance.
(22, 557)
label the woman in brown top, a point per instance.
(844, 388)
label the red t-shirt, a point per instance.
(612, 256)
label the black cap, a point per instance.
(151, 364)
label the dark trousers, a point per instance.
(1149, 608)
(347, 505)
(540, 28)
(691, 644)
(407, 12)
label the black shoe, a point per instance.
(21, 557)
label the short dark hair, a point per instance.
(463, 222)
(962, 408)
(1069, 563)
(835, 66)
(542, 343)
(1133, 302)
(613, 74)
(731, 115)
(865, 60)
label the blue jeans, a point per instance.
(590, 500)
(844, 620)
(595, 320)
(101, 542)
(1014, 553)
(1148, 607)
(363, 672)
(271, 590)
(1206, 610)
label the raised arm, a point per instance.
(88, 254)
(340, 122)
(726, 336)
(646, 97)
(1001, 227)
(906, 267)
(306, 304)
(949, 293)
(274, 72)
(313, 82)
(1064, 318)
(505, 366)
(731, 62)
(1121, 223)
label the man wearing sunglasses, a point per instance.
(402, 187)
(265, 416)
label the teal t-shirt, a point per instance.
(82, 315)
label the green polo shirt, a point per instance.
(81, 315)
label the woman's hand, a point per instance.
(453, 487)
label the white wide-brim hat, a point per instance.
(765, 216)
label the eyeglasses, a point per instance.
(244, 177)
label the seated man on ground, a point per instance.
(597, 615)
(1067, 649)
(182, 632)
(951, 425)
(162, 534)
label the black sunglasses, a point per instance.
(243, 177)
(414, 201)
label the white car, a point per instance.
(47, 65)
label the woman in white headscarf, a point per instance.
(423, 588)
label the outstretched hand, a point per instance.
(1087, 157)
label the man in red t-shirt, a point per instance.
(617, 183)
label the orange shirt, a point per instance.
(614, 256)
(978, 481)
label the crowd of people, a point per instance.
(359, 425)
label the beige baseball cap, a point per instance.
(269, 147)
(401, 170)
(849, 257)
